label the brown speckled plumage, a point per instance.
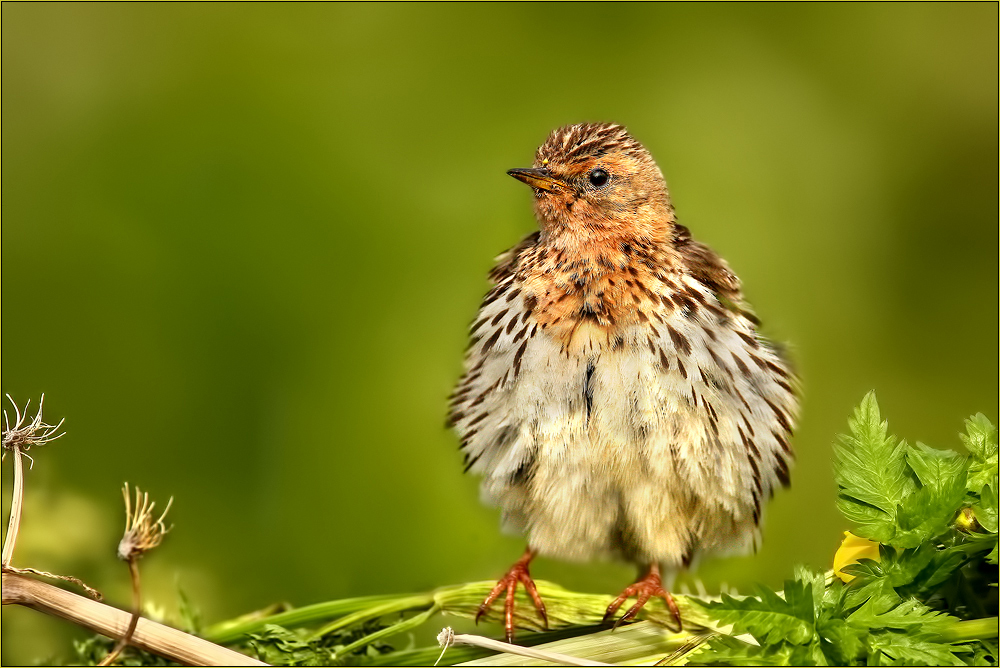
(618, 400)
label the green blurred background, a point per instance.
(242, 243)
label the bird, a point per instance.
(618, 399)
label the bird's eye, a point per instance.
(598, 177)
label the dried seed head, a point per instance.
(22, 435)
(142, 532)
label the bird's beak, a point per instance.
(539, 179)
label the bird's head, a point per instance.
(593, 180)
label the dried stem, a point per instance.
(112, 622)
(448, 637)
(91, 592)
(15, 508)
(142, 534)
(133, 569)
(18, 439)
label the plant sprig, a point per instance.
(931, 596)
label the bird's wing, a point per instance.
(505, 264)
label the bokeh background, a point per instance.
(242, 244)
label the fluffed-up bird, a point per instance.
(618, 400)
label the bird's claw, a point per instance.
(518, 573)
(643, 590)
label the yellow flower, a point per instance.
(852, 549)
(967, 521)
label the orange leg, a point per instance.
(518, 573)
(650, 585)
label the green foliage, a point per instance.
(280, 646)
(91, 651)
(929, 599)
(980, 438)
(768, 616)
(799, 628)
(190, 615)
(276, 644)
(871, 472)
(348, 645)
(896, 494)
(935, 514)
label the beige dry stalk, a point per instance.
(142, 534)
(100, 618)
(18, 439)
(448, 637)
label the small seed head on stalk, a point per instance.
(142, 532)
(18, 439)
(24, 436)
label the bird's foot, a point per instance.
(650, 585)
(518, 573)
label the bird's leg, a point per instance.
(650, 585)
(517, 573)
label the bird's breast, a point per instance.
(584, 304)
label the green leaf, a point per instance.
(869, 521)
(814, 582)
(726, 650)
(929, 511)
(985, 653)
(729, 651)
(279, 646)
(986, 514)
(768, 617)
(980, 438)
(921, 518)
(871, 582)
(911, 650)
(834, 594)
(981, 542)
(876, 582)
(801, 600)
(942, 566)
(189, 613)
(986, 509)
(910, 614)
(93, 650)
(871, 472)
(903, 566)
(944, 472)
(841, 643)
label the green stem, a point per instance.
(405, 625)
(398, 605)
(972, 629)
(232, 630)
